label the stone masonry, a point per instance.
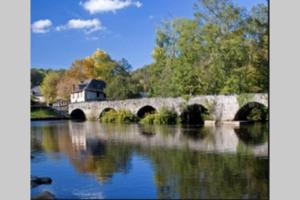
(220, 107)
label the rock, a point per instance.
(36, 181)
(44, 196)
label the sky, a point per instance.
(65, 30)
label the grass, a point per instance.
(41, 113)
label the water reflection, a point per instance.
(187, 161)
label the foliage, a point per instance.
(163, 116)
(122, 116)
(37, 76)
(258, 114)
(122, 85)
(48, 86)
(65, 86)
(43, 113)
(223, 50)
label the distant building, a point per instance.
(89, 90)
(37, 95)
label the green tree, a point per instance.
(49, 86)
(122, 86)
(37, 76)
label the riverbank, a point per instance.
(45, 113)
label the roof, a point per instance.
(91, 85)
(36, 91)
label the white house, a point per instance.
(89, 90)
(36, 93)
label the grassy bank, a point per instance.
(44, 113)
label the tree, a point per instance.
(103, 66)
(122, 86)
(37, 76)
(65, 86)
(49, 85)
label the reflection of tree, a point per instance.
(188, 174)
(102, 158)
(179, 172)
(49, 139)
(110, 159)
(253, 134)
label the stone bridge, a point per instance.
(219, 107)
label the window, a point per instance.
(98, 94)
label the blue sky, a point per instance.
(65, 30)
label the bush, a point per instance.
(164, 116)
(148, 119)
(121, 116)
(258, 114)
(124, 116)
(39, 113)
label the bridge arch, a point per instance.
(78, 114)
(194, 114)
(252, 111)
(142, 111)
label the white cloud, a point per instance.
(93, 38)
(138, 4)
(89, 26)
(101, 6)
(41, 26)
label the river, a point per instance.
(92, 160)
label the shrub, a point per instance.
(148, 119)
(122, 116)
(163, 116)
(258, 114)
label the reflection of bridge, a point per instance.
(219, 107)
(223, 139)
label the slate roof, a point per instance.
(91, 85)
(36, 91)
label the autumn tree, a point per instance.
(65, 87)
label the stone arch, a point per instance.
(145, 110)
(194, 114)
(78, 114)
(244, 111)
(106, 110)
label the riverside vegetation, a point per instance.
(42, 113)
(191, 115)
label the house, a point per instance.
(37, 95)
(89, 90)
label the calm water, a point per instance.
(92, 160)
